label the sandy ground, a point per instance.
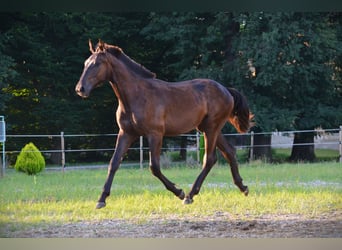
(218, 225)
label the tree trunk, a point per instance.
(183, 145)
(262, 147)
(303, 152)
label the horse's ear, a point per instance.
(91, 46)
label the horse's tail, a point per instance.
(241, 117)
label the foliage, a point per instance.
(6, 74)
(287, 64)
(30, 160)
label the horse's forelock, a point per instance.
(103, 47)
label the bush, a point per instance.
(201, 147)
(30, 160)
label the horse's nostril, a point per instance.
(80, 90)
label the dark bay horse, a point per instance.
(153, 108)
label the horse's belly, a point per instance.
(182, 123)
(173, 131)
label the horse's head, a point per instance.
(95, 70)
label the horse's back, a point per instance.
(188, 103)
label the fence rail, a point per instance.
(60, 143)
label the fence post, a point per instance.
(62, 150)
(3, 165)
(340, 142)
(3, 140)
(141, 152)
(251, 153)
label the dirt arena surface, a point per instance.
(218, 225)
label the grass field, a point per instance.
(70, 197)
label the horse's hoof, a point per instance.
(246, 191)
(187, 201)
(182, 195)
(100, 204)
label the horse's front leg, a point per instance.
(228, 152)
(155, 143)
(123, 142)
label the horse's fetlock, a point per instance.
(181, 195)
(246, 191)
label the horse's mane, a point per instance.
(130, 63)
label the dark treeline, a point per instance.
(287, 64)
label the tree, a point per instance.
(177, 37)
(287, 63)
(47, 54)
(6, 73)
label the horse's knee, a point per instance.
(211, 160)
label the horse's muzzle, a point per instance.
(80, 90)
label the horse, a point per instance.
(153, 108)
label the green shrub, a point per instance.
(201, 147)
(30, 160)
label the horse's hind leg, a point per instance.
(209, 160)
(228, 152)
(155, 143)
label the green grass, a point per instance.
(57, 198)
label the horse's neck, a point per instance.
(126, 90)
(127, 86)
(124, 97)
